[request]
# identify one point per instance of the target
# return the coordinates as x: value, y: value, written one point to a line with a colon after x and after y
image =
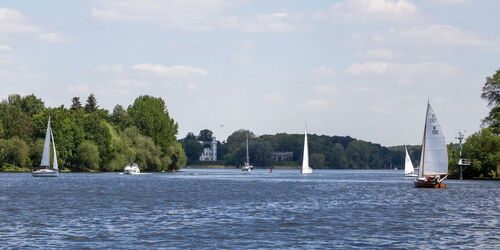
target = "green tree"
x: 87, y: 156
x: 205, y: 135
x: 15, y: 122
x: 121, y: 118
x: 14, y: 151
x: 317, y: 160
x: 260, y: 153
x: 151, y: 117
x: 483, y: 148
x: 491, y: 93
x: 91, y: 105
x: 193, y: 150
x: 75, y: 103
x: 339, y: 158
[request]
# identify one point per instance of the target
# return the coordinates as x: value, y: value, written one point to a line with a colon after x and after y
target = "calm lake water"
x: 230, y: 209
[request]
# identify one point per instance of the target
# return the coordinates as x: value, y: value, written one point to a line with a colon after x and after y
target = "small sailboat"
x: 409, y: 169
x: 132, y: 168
x: 305, y: 159
x: 247, y: 167
x: 45, y: 170
x: 434, y: 157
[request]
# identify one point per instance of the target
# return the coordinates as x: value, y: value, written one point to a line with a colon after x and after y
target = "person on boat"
x: 436, y: 179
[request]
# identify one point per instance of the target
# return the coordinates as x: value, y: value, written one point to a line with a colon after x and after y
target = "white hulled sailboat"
x: 409, y: 169
x: 434, y: 157
x: 305, y: 159
x: 247, y: 167
x: 45, y: 170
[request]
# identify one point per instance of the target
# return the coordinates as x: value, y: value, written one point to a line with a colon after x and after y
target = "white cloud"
x: 387, y: 68
x: 316, y: 104
x: 12, y: 21
x: 179, y: 71
x: 363, y: 10
x: 324, y: 71
x: 274, y: 97
x: 129, y: 83
x: 430, y: 35
x: 276, y: 22
x: 448, y: 1
x: 176, y: 14
x: 4, y: 47
x: 382, y: 53
x: 323, y: 88
x: 193, y: 15
x: 114, y: 68
x: 53, y: 37
x: 280, y: 15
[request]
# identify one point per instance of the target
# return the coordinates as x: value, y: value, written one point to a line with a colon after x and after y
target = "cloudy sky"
x: 363, y: 68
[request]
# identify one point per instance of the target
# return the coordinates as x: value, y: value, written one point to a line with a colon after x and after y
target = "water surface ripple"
x: 231, y: 209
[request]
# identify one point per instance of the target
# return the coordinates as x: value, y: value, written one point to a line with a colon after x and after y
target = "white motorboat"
x: 132, y: 168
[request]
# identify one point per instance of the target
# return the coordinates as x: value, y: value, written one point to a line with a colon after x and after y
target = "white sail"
x: 46, y: 147
x: 305, y: 159
x: 408, y: 164
x: 55, y: 166
x: 434, y: 157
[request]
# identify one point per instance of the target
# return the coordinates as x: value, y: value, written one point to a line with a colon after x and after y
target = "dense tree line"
x: 483, y: 147
x: 87, y: 137
x: 340, y: 152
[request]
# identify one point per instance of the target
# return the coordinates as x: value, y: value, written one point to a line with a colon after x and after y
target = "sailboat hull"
x: 411, y: 175
x: 427, y: 184
x: 45, y: 173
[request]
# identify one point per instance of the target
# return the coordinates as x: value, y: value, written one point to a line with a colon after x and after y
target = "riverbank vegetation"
x: 87, y: 137
x: 339, y: 152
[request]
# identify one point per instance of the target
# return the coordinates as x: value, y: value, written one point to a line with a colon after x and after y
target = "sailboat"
x: 45, y: 170
x: 247, y: 167
x: 409, y: 169
x: 305, y: 159
x: 434, y: 157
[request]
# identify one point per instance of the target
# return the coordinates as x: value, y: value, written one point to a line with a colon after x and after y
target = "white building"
x: 209, y: 150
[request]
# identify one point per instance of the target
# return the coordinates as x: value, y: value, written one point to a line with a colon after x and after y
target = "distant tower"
x: 214, y: 149
x: 209, y: 150
x: 462, y: 163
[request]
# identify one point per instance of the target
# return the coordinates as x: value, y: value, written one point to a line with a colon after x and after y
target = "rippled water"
x: 231, y: 209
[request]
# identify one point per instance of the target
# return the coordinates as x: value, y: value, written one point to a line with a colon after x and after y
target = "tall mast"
x: 422, y: 154
x: 248, y: 158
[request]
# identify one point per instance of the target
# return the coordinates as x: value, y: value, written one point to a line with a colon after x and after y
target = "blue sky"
x: 363, y: 68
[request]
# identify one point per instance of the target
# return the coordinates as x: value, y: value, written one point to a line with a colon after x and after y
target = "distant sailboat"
x: 409, y: 169
x: 247, y: 167
x: 305, y: 159
x: 45, y: 170
x: 434, y: 157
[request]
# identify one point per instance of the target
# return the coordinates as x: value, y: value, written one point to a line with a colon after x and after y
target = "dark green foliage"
x: 14, y: 151
x: 151, y: 117
x: 483, y: 148
x: 91, y: 105
x: 87, y: 156
x: 491, y: 93
x: 325, y: 151
x: 121, y: 118
x: 193, y: 150
x: 205, y: 135
x: 86, y: 139
x: 75, y: 103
